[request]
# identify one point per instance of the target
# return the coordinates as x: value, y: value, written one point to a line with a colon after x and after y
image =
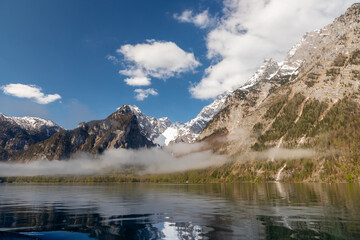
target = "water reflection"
x: 211, y: 211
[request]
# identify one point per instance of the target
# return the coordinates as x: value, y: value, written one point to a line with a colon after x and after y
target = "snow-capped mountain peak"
x: 150, y: 127
x: 30, y: 123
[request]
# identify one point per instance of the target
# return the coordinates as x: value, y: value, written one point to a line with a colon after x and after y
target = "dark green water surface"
x: 159, y: 211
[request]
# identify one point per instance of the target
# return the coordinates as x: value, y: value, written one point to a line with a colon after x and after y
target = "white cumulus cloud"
x: 138, y: 81
x: 141, y: 94
x: 201, y: 20
x: 154, y: 59
x: 29, y: 91
x: 250, y: 31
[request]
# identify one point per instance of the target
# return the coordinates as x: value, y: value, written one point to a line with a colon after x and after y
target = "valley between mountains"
x: 296, y: 120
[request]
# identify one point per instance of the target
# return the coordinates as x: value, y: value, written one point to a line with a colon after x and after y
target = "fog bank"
x: 175, y: 158
x: 179, y: 157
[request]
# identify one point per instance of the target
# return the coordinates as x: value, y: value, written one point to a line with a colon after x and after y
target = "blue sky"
x: 74, y: 49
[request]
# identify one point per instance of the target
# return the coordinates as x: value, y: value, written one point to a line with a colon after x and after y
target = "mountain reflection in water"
x: 159, y: 211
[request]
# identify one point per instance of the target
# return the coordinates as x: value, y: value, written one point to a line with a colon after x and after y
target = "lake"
x: 167, y: 211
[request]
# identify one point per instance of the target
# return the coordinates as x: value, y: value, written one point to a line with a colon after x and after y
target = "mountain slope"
x: 19, y: 133
x: 311, y: 102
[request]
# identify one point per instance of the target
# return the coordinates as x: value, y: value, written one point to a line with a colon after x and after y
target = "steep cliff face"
x: 319, y: 75
x: 119, y: 130
x: 19, y: 133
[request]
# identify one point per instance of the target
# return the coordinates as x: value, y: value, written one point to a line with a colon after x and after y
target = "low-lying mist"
x: 175, y: 158
x: 179, y: 157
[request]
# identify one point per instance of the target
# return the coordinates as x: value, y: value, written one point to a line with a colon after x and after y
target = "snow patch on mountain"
x: 169, y: 135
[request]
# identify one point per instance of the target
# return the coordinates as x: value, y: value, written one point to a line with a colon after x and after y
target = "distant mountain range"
x: 310, y: 100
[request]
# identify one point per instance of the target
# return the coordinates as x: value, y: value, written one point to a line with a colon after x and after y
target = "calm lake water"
x: 159, y: 211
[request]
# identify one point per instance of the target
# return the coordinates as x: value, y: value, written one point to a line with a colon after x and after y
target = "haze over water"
x: 160, y: 211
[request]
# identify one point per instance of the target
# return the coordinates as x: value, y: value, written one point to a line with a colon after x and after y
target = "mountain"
x: 164, y: 132
x: 120, y: 130
x: 19, y: 133
x: 311, y: 102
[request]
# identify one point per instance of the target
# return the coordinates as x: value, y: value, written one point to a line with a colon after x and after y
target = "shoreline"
x: 85, y: 180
